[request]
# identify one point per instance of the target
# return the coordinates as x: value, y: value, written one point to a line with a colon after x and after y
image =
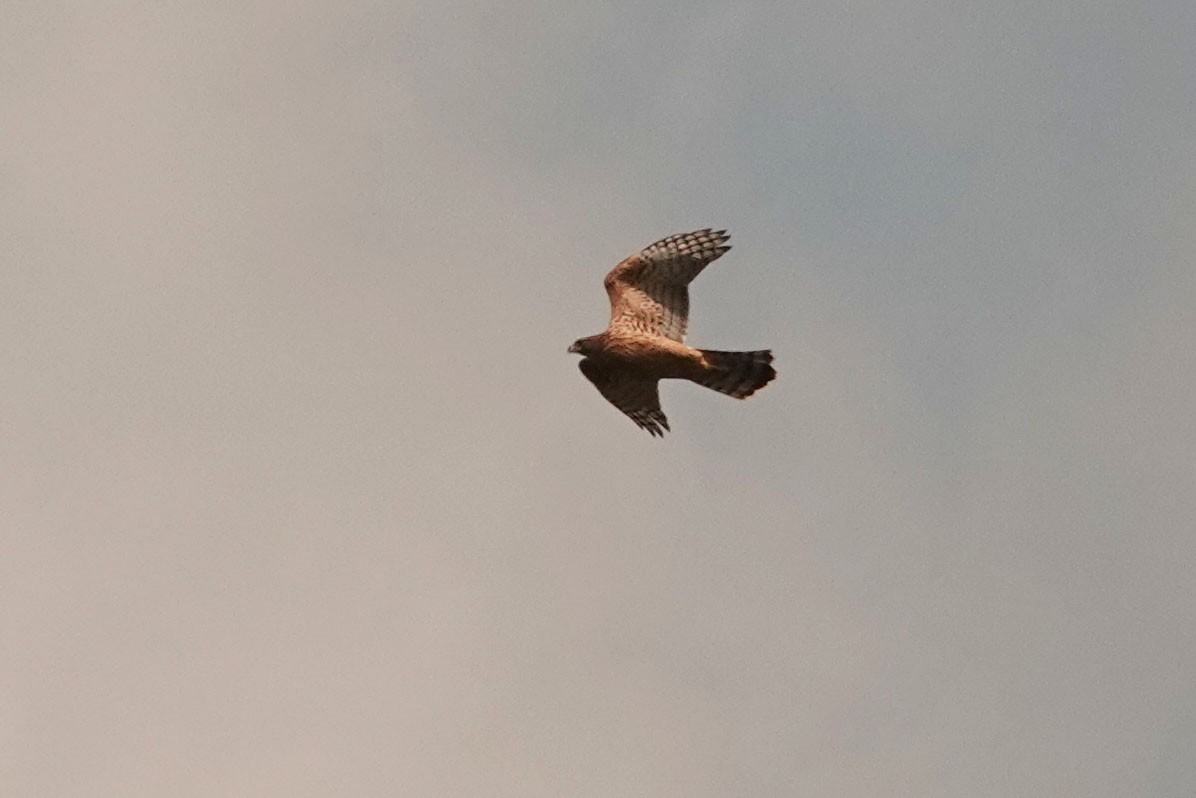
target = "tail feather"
x: 738, y: 374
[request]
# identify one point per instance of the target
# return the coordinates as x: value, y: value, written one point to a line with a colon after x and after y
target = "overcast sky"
x: 302, y: 496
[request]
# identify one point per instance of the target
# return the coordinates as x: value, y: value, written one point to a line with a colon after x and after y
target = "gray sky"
x: 303, y: 497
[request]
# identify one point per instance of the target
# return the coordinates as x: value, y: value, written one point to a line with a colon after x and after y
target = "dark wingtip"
x: 656, y: 429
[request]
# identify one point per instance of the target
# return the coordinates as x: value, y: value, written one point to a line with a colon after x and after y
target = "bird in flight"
x: 645, y: 340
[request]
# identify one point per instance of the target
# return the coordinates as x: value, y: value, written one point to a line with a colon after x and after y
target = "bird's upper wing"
x: 649, y: 291
x: 634, y: 394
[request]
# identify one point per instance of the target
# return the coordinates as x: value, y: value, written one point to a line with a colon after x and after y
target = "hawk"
x: 645, y: 340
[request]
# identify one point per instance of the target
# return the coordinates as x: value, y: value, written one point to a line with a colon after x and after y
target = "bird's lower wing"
x: 635, y: 395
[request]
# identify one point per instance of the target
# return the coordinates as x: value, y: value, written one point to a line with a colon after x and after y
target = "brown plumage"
x: 645, y: 341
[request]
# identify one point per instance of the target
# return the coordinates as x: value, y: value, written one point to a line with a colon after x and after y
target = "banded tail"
x: 738, y: 374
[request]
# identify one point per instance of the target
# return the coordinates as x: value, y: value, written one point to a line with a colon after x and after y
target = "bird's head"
x: 582, y: 346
